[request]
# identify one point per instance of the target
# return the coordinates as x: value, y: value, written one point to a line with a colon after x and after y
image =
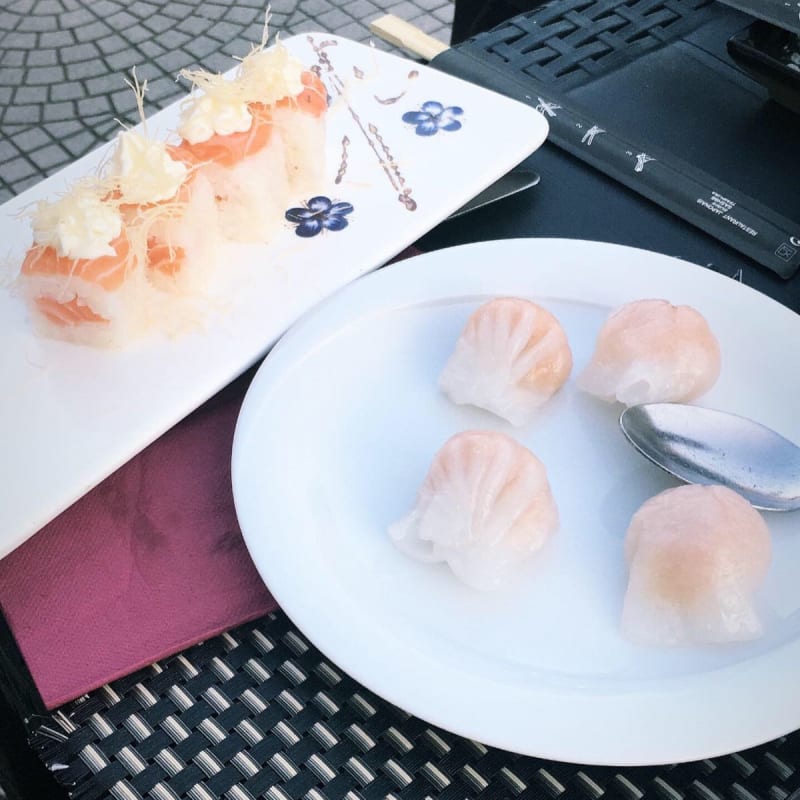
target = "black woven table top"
x: 259, y: 712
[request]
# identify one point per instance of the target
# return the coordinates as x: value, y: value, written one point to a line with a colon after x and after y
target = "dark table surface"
x: 290, y: 724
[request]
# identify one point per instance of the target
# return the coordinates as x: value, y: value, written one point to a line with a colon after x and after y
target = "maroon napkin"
x: 149, y: 562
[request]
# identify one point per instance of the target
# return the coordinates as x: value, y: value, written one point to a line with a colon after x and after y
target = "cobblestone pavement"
x: 63, y: 62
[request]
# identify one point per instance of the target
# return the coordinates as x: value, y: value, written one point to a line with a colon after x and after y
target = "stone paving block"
x: 66, y: 91
x: 353, y: 30
x: 210, y: 11
x: 29, y: 139
x: 58, y: 130
x: 121, y: 21
x: 334, y: 19
x: 224, y: 32
x: 151, y: 49
x: 314, y: 8
x: 172, y: 62
x: 41, y: 75
x: 22, y: 41
x: 245, y: 16
x: 9, y: 21
x: 26, y: 183
x: 179, y: 10
x: 105, y: 8
x: 429, y: 5
x: 193, y: 26
x: 85, y: 69
x: 87, y: 51
x: 112, y: 44
x: 158, y: 23
x: 444, y: 14
x: 93, y: 32
x: 80, y: 143
x: 7, y: 150
x: 201, y: 47
x: 27, y: 95
x: 138, y: 35
x: 41, y: 58
x: 47, y: 157
x: 17, y: 169
x: 123, y: 62
x: 43, y: 8
x: 173, y: 39
x: 56, y: 39
x: 22, y: 115
x: 24, y: 7
x: 404, y: 9
x: 12, y: 58
x: 361, y: 9
x: 102, y: 85
x: 217, y: 62
x: 163, y: 91
x: 432, y: 26
x: 53, y: 112
x: 94, y: 105
x: 76, y: 19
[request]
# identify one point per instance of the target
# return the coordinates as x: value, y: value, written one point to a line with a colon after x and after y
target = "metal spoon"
x: 701, y: 445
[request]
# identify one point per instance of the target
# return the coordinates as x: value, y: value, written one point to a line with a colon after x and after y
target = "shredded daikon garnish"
x: 80, y: 224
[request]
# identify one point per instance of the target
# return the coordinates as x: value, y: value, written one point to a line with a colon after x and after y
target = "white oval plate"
x: 338, y: 430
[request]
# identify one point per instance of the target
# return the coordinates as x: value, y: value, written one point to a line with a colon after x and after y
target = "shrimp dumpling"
x: 511, y: 357
x: 696, y: 555
x: 484, y: 506
x: 650, y: 351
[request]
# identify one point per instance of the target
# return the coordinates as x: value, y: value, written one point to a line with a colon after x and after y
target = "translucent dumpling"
x: 650, y: 351
x: 510, y: 358
x: 696, y: 555
x: 484, y: 506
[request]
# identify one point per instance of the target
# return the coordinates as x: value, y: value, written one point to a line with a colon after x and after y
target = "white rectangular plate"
x: 70, y: 415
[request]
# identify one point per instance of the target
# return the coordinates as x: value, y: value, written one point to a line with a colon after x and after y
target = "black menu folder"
x: 644, y: 91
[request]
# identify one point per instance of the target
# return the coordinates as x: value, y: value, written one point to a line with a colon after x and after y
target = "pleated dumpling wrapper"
x: 650, y: 351
x: 484, y: 507
x: 696, y: 556
x: 510, y: 358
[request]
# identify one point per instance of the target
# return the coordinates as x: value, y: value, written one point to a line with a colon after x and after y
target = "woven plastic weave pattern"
x: 587, y: 37
x: 259, y: 713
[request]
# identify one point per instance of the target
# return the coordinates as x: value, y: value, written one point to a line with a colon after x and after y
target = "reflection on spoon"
x: 701, y: 445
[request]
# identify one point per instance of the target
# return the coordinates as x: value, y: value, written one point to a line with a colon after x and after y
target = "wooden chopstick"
x: 403, y: 34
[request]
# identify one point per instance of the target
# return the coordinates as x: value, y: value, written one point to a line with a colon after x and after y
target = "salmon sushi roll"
x: 299, y: 114
x: 173, y: 204
x: 82, y: 277
x: 234, y: 144
x: 259, y: 138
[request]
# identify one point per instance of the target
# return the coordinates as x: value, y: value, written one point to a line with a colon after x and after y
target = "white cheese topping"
x: 270, y: 75
x: 79, y: 225
x: 205, y: 115
x: 144, y: 169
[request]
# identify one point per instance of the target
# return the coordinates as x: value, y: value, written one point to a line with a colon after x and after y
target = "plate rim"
x: 298, y: 610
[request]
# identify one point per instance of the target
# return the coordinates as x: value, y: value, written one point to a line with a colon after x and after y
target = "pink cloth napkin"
x: 150, y: 562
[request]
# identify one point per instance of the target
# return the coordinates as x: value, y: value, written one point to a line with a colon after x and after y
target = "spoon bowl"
x: 703, y: 445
